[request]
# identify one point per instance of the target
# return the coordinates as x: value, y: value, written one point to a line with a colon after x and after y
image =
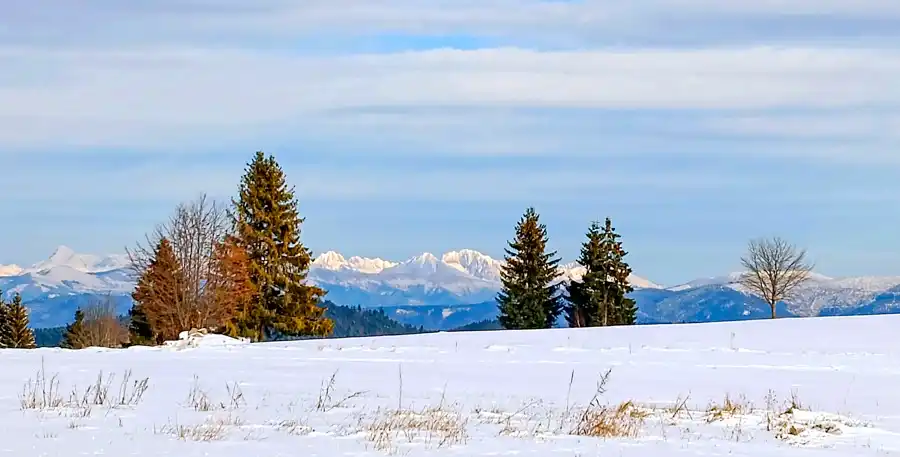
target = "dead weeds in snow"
x: 728, y: 409
x: 199, y: 400
x: 214, y: 428
x: 438, y: 426
x: 43, y: 393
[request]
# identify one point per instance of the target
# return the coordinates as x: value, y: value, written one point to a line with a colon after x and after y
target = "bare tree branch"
x: 101, y: 324
x: 195, y: 230
x: 774, y: 269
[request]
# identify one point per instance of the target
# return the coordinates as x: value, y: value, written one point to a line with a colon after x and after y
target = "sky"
x: 431, y: 125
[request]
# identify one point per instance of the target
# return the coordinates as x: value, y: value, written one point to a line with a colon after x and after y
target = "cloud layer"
x: 700, y: 109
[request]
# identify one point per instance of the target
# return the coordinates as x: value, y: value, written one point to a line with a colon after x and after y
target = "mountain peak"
x: 367, y: 265
x: 61, y: 254
x: 330, y: 260
x: 473, y: 262
x: 425, y: 258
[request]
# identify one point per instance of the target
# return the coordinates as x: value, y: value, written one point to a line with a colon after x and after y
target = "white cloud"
x: 830, y: 125
x: 148, y: 96
x: 205, y: 20
x: 172, y: 181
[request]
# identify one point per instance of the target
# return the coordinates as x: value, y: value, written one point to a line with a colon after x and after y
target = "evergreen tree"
x: 230, y: 287
x: 156, y: 313
x: 21, y: 336
x: 267, y: 224
x: 528, y: 298
x: 5, y: 326
x: 622, y: 310
x: 599, y: 298
x: 586, y: 300
x: 75, y: 337
x: 140, y: 333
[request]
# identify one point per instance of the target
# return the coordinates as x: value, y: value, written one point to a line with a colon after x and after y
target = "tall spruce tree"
x: 528, y: 298
x: 621, y: 310
x: 75, y: 337
x: 267, y: 223
x: 586, y: 300
x: 600, y: 297
x: 5, y: 325
x: 21, y: 335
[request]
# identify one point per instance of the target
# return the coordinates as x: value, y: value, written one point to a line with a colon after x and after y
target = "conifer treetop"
x: 528, y: 297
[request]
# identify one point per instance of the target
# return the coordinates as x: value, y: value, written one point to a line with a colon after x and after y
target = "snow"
x: 10, y: 270
x: 194, y: 339
x: 474, y: 263
x: 574, y: 271
x: 475, y: 394
x: 335, y: 261
x: 65, y: 256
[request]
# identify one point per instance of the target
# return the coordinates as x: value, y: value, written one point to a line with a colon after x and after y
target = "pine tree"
x: 268, y: 226
x: 599, y: 298
x: 622, y: 310
x: 586, y: 301
x: 5, y: 325
x: 139, y: 331
x: 156, y: 313
x: 528, y: 298
x: 21, y: 336
x: 75, y: 337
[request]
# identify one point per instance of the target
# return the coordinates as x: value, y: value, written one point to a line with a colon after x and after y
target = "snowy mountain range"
x: 456, y: 278
x: 466, y: 279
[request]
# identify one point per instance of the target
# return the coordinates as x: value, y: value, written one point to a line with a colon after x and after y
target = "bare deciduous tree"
x: 102, y: 327
x: 194, y: 230
x: 774, y: 269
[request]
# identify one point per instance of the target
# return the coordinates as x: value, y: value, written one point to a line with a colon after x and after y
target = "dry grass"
x: 439, y: 426
x: 207, y: 431
x: 43, y: 393
x: 293, y: 427
x: 727, y: 409
x: 214, y: 428
x: 624, y: 420
x: 325, y: 402
x: 199, y: 400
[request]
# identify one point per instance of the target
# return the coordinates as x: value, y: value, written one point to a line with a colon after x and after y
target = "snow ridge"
x: 471, y: 263
x: 459, y: 277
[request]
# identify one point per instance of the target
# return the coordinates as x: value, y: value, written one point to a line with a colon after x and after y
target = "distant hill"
x: 442, y: 317
x: 479, y: 326
x: 357, y: 321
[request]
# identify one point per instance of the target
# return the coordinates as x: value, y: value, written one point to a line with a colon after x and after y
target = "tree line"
x: 239, y: 270
x: 349, y: 321
x: 533, y: 296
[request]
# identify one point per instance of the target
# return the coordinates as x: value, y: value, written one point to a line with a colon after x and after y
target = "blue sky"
x: 415, y: 125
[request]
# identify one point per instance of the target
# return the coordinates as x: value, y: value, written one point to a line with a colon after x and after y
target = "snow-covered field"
x: 473, y: 394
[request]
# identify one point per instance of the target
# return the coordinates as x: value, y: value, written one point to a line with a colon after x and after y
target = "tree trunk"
x: 773, y: 309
